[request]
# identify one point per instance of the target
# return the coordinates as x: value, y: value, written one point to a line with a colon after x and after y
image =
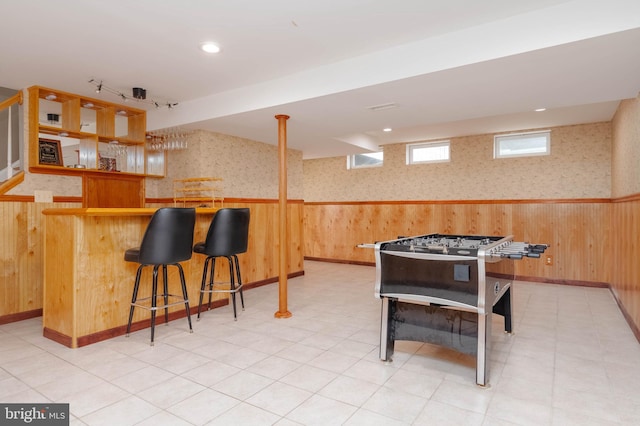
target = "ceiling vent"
x: 383, y: 106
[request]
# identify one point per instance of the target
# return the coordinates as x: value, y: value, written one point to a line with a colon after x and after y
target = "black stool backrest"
x: 169, y: 236
x: 228, y: 233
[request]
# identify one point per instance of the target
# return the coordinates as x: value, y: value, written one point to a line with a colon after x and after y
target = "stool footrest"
x: 218, y: 290
x: 145, y: 303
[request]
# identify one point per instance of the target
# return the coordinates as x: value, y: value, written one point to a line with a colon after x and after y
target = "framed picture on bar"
x: 49, y: 152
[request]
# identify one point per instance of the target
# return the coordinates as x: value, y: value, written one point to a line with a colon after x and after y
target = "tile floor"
x: 572, y: 361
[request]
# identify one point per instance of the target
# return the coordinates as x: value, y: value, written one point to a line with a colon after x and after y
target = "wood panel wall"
x: 22, y: 222
x: 112, y: 190
x: 21, y: 257
x: 577, y: 231
x: 592, y: 241
x: 625, y: 255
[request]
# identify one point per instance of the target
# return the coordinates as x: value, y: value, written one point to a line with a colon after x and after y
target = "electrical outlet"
x: 548, y: 260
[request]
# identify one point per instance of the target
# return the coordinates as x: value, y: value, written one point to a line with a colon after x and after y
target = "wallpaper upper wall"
x: 249, y: 169
x: 625, y: 178
x: 579, y: 167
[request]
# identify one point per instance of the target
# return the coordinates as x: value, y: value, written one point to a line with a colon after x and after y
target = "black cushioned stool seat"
x: 166, y: 242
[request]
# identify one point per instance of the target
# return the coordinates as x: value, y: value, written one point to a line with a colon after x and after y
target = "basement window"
x: 428, y: 152
x: 522, y: 144
x: 370, y: 159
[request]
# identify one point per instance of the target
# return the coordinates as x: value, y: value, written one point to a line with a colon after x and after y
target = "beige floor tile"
x: 203, y: 406
x: 437, y: 413
x: 274, y: 367
x: 309, y: 378
x: 572, y: 360
x: 170, y: 392
x: 128, y: 411
x: 397, y: 405
x: 279, y: 398
x: 349, y: 390
x: 321, y: 411
x: 242, y: 385
x: 245, y: 414
x: 364, y: 417
x: 466, y: 396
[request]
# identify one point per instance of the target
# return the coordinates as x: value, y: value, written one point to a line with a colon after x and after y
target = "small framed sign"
x: 49, y: 152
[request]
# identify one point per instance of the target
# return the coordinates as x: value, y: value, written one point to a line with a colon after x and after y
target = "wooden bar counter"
x: 88, y: 284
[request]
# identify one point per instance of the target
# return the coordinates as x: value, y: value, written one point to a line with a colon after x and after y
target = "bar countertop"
x: 94, y: 211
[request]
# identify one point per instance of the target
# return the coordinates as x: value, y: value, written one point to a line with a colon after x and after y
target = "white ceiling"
x: 452, y: 67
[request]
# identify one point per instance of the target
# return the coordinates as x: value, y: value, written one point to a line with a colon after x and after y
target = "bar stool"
x: 227, y: 237
x: 166, y: 241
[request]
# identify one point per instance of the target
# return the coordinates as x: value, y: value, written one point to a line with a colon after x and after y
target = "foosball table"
x: 443, y: 289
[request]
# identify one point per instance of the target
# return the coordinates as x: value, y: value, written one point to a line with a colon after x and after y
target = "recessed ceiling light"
x: 540, y: 109
x: 387, y: 129
x: 209, y: 47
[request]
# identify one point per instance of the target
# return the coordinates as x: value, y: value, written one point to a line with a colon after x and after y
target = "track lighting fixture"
x: 138, y: 94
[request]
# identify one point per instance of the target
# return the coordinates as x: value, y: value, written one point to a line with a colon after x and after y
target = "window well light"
x: 209, y: 47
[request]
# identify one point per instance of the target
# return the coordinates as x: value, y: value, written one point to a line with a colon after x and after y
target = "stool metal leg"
x: 205, y: 271
x: 134, y: 298
x: 203, y: 284
x: 185, y: 296
x: 166, y: 294
x: 154, y: 294
x: 232, y: 286
x: 211, y: 280
x: 235, y: 257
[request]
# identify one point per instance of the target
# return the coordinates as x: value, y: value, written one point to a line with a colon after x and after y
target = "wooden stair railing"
x: 10, y: 176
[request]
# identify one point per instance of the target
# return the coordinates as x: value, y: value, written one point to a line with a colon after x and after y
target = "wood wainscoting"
x: 625, y: 257
x: 575, y: 230
x: 21, y: 248
x: 593, y: 242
